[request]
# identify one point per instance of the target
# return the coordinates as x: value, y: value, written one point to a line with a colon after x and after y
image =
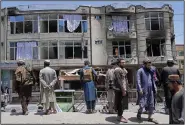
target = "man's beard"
x: 121, y: 66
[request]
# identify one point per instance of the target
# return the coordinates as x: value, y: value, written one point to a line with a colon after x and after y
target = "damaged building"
x: 68, y: 37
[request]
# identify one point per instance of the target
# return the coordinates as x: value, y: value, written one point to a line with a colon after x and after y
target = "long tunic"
x: 47, y: 77
x: 178, y: 107
x: 108, y: 81
x: 89, y: 87
x: 146, y: 84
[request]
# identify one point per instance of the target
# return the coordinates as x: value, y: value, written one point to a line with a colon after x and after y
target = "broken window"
x: 12, y: 27
x: 61, y: 25
x: 35, y: 24
x: 85, y: 52
x: 44, y: 50
x: 73, y: 50
x: 74, y: 23
x: 53, y: 50
x: 61, y: 50
x: 122, y: 49
x: 19, y: 27
x: 84, y: 26
x: 53, y: 23
x: 13, y: 49
x: 43, y: 26
x: 28, y: 26
x: 154, y: 21
x: 155, y: 47
x: 43, y: 23
x: 69, y: 50
x: 77, y: 50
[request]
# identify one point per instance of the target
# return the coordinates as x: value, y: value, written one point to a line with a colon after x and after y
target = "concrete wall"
x: 99, y: 53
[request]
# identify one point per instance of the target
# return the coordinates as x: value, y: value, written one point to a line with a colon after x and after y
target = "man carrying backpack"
x: 109, y: 87
x: 87, y: 78
x: 24, y: 81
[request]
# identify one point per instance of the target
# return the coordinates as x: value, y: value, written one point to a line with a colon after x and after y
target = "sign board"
x: 99, y: 42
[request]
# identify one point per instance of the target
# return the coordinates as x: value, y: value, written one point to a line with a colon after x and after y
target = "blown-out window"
x: 122, y: 49
x: 155, y: 47
x: 154, y: 21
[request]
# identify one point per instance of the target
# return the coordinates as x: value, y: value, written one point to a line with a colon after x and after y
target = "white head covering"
x: 170, y: 60
x: 47, y: 61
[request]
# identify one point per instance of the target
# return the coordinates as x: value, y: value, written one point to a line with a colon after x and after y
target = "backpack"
x: 23, y: 75
x: 88, y: 74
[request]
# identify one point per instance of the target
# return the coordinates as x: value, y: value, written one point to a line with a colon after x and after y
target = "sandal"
x: 122, y: 119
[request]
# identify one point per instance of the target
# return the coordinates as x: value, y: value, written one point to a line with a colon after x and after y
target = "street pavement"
x: 77, y: 117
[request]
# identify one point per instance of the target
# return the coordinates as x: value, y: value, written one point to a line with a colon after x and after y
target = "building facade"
x: 98, y: 34
x: 180, y: 58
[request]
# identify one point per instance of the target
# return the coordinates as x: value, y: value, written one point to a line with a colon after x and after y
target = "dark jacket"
x: 168, y: 71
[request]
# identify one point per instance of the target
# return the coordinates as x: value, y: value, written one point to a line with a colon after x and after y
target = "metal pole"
x: 0, y: 49
x: 0, y: 39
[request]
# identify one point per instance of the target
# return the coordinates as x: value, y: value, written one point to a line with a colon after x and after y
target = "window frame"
x: 150, y: 20
x: 124, y: 46
x: 160, y: 47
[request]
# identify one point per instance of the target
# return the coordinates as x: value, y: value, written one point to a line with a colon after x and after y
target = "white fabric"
x: 110, y: 96
x: 73, y: 21
x: 120, y: 24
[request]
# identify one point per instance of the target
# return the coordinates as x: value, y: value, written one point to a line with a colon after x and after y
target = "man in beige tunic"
x: 48, y: 79
x: 109, y: 87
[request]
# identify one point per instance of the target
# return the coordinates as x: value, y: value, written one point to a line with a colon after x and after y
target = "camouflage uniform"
x: 24, y: 87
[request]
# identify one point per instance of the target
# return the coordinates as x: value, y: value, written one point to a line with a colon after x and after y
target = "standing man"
x: 87, y: 78
x: 177, y: 99
x: 109, y: 87
x: 168, y: 70
x: 120, y: 87
x: 48, y: 79
x: 146, y: 87
x: 23, y: 86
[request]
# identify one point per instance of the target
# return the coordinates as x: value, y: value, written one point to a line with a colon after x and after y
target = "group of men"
x: 25, y: 79
x: 148, y: 79
x: 116, y: 86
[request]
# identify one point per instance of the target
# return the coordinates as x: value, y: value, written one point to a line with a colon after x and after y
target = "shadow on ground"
x: 39, y: 113
x: 112, y: 119
x: 16, y: 113
x: 135, y: 120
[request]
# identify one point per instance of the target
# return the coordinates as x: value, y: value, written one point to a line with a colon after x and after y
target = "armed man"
x: 25, y: 79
